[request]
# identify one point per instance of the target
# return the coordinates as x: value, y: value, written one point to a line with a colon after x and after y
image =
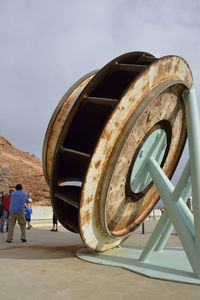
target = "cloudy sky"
x: 47, y: 45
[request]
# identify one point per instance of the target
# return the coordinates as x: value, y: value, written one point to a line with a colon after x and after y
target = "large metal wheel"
x: 94, y: 138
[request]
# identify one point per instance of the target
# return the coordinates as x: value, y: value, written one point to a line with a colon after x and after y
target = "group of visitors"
x: 16, y: 206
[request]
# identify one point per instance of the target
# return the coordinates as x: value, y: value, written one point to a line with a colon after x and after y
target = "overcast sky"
x: 47, y: 45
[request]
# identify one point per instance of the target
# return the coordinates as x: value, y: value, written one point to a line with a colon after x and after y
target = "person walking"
x: 5, y: 214
x: 55, y: 223
x: 16, y: 213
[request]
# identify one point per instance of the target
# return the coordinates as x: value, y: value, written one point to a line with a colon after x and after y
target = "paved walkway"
x: 46, y: 268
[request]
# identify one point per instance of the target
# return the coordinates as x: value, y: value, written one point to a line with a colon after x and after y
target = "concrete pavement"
x: 46, y: 268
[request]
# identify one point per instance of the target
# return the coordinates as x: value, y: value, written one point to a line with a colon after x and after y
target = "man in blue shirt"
x: 16, y: 213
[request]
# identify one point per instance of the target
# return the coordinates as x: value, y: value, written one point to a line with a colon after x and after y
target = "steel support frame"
x: 154, y: 260
x: 186, y: 224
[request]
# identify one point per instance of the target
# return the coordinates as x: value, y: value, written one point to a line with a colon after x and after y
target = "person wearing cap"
x: 16, y: 213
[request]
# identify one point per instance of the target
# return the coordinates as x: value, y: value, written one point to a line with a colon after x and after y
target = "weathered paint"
x: 106, y: 214
x: 160, y: 109
x: 157, y: 77
x: 57, y: 121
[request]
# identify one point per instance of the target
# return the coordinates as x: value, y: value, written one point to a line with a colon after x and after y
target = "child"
x: 28, y: 212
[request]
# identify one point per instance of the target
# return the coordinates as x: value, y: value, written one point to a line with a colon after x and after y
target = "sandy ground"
x: 46, y: 268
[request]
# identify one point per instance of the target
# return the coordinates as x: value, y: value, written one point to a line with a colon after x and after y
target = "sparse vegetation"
x: 17, y: 166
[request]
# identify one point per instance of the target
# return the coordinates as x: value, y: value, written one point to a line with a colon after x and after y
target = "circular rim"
x: 60, y: 199
x: 158, y: 76
x: 56, y: 123
x: 149, y: 199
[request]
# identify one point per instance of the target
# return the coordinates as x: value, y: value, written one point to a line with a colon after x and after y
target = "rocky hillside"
x: 17, y: 166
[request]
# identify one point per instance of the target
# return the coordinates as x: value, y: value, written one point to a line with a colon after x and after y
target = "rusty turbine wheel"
x: 94, y: 138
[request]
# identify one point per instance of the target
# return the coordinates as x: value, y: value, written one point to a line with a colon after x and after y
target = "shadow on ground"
x: 39, y: 252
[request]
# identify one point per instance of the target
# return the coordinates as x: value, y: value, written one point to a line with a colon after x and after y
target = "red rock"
x: 17, y: 166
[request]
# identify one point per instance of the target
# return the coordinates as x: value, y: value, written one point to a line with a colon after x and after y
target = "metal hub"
x: 154, y: 146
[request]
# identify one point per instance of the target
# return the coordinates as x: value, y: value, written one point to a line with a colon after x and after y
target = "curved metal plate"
x: 155, y: 95
x: 59, y: 116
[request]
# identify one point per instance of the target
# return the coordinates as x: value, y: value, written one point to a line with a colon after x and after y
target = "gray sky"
x: 47, y: 45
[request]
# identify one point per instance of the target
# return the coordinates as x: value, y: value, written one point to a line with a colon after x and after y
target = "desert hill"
x: 17, y: 166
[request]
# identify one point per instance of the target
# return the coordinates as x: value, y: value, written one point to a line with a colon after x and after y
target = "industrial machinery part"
x: 155, y: 260
x: 98, y: 137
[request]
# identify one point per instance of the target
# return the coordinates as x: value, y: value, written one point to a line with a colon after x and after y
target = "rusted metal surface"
x: 94, y: 140
x: 122, y: 212
x: 57, y: 121
x: 103, y: 190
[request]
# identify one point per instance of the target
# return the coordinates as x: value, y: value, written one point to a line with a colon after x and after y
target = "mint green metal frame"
x: 153, y: 260
x: 186, y: 224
